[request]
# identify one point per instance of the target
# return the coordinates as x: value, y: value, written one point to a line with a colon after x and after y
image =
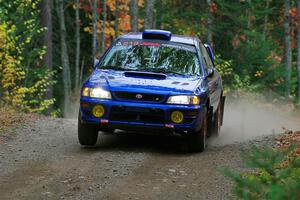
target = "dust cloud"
x: 74, y: 104
x: 244, y: 121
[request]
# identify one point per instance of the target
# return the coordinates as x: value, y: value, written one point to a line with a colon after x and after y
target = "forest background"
x: 47, y: 46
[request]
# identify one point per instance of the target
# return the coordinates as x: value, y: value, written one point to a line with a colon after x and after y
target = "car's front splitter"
x: 127, y: 123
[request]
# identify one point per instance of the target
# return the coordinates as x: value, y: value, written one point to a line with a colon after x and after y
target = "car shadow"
x: 140, y: 142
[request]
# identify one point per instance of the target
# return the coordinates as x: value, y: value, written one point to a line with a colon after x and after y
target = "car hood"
x: 137, y: 82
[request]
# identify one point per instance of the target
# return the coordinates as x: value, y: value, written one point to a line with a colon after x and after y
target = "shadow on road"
x: 140, y: 142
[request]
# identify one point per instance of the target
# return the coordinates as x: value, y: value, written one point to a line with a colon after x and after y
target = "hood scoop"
x: 149, y: 75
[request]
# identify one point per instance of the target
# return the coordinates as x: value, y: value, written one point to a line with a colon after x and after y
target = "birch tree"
x: 298, y: 57
x: 202, y: 4
x: 77, y: 36
x: 149, y: 14
x: 117, y: 18
x: 288, y: 49
x: 266, y: 21
x: 64, y: 56
x: 249, y: 14
x: 46, y: 20
x: 134, y: 16
x: 95, y: 17
x: 103, y: 26
x: 210, y: 22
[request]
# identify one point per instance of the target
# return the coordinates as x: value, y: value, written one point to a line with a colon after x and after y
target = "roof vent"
x: 157, y: 34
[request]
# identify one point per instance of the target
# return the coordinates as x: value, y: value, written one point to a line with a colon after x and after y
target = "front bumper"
x: 141, y: 116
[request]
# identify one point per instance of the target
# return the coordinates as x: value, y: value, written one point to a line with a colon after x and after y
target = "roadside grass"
x: 272, y: 173
x: 11, y: 119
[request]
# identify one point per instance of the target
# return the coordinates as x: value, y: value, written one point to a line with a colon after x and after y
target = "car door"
x: 213, y: 78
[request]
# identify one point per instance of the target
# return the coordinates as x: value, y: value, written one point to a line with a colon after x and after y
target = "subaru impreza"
x: 153, y: 81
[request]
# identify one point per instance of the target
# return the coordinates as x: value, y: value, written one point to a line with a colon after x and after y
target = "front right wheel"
x: 216, y: 123
x: 87, y: 133
x: 197, y: 140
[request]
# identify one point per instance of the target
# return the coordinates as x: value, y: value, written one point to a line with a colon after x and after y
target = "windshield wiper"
x: 167, y: 72
x: 144, y: 70
x: 115, y: 68
x: 176, y: 73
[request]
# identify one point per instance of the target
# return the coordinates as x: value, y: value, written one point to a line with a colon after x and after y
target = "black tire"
x: 217, y: 121
x: 107, y: 130
x: 87, y: 133
x: 197, y: 140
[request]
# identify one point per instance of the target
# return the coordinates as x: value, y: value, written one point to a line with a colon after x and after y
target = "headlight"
x: 184, y: 99
x: 96, y: 93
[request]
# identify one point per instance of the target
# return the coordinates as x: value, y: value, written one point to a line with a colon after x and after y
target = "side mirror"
x: 97, y: 59
x: 210, y: 52
x: 210, y: 72
x: 95, y: 62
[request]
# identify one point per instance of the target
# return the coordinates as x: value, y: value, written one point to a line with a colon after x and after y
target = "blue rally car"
x: 153, y: 81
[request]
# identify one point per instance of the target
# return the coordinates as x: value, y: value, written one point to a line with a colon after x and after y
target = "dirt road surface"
x: 43, y: 160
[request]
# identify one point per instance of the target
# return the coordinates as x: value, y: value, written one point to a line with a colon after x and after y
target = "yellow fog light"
x: 98, y: 111
x: 86, y: 92
x: 195, y: 100
x: 177, y: 117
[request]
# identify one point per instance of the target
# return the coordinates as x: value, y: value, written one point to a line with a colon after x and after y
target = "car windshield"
x: 152, y: 56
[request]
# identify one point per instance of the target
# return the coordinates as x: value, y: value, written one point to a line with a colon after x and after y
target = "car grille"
x: 139, y: 97
x: 136, y: 114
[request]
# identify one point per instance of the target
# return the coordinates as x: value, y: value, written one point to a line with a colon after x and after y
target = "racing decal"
x: 138, y: 43
x: 151, y: 44
x: 130, y: 43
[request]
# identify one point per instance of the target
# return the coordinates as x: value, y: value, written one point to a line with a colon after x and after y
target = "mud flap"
x: 210, y: 120
x: 222, y: 108
x: 210, y: 114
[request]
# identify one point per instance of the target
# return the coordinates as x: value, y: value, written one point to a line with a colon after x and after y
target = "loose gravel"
x: 43, y: 160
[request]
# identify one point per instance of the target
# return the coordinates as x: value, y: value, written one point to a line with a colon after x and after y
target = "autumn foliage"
x: 289, y: 139
x: 16, y: 90
x: 123, y: 18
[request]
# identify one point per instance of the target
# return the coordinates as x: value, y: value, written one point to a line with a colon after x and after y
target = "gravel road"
x: 43, y: 160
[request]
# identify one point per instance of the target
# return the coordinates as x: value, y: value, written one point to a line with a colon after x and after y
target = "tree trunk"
x: 210, y: 23
x: 77, y: 36
x: 149, y: 14
x: 46, y: 20
x: 94, y: 6
x: 64, y: 57
x: 248, y: 12
x: 288, y: 49
x: 81, y: 70
x: 266, y: 21
x: 161, y: 16
x: 117, y: 18
x: 134, y: 16
x: 202, y: 4
x: 103, y: 26
x: 298, y: 59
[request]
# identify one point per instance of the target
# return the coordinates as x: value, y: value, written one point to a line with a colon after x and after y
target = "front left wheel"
x: 87, y: 133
